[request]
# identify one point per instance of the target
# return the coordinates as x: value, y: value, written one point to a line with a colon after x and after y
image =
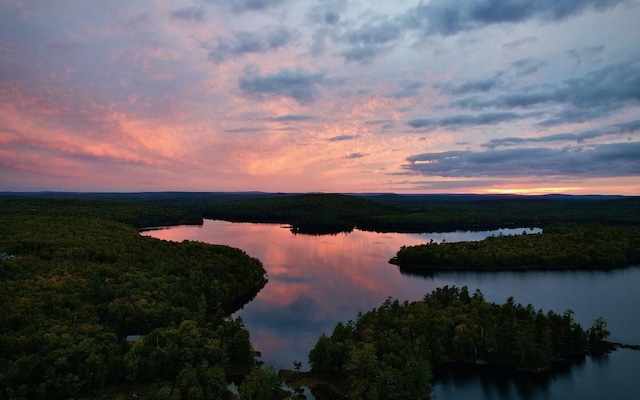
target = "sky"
x: 349, y: 96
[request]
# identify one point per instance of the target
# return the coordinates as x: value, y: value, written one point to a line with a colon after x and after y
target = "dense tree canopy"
x: 425, y: 213
x: 389, y: 352
x: 75, y: 290
x: 324, y: 213
x: 567, y: 246
x: 308, y: 213
x: 330, y: 213
x: 139, y: 214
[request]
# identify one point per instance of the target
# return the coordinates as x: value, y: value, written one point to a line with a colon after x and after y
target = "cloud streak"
x: 370, y: 40
x: 614, y: 130
x: 611, y: 86
x: 604, y: 160
x: 292, y: 118
x: 354, y: 156
x: 299, y: 84
x: 193, y: 13
x: 472, y: 86
x: 449, y: 18
x: 342, y: 138
x: 244, y: 42
x: 463, y: 120
x: 407, y: 89
x: 240, y: 6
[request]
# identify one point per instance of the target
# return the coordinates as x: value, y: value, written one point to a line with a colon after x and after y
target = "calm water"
x: 317, y: 281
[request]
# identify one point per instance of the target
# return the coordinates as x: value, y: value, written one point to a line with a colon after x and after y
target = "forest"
x: 139, y: 214
x: 423, y: 213
x: 91, y: 309
x: 390, y: 352
x: 583, y: 246
x: 88, y: 305
x: 333, y: 213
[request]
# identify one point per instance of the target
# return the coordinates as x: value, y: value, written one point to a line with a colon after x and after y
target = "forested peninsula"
x: 91, y: 307
x: 558, y: 247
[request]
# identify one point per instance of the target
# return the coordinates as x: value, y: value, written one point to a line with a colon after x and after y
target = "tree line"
x: 422, y: 213
x: 320, y: 213
x: 139, y: 214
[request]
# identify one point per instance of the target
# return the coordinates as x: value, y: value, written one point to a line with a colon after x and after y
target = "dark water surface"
x: 317, y: 281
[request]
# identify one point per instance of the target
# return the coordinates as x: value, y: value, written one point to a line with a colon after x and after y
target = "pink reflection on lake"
x: 314, y: 281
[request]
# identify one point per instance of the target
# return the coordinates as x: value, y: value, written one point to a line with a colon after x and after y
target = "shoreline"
x: 425, y: 268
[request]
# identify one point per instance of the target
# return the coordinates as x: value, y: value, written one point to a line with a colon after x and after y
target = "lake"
x: 317, y: 281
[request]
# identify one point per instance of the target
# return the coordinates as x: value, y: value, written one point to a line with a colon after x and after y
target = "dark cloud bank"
x: 605, y: 89
x: 464, y: 120
x: 596, y: 94
x: 444, y: 17
x: 613, y: 130
x: 603, y: 160
x: 451, y: 17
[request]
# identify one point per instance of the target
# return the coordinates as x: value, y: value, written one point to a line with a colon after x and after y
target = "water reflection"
x: 609, y: 376
x: 590, y: 294
x: 317, y: 281
x: 495, y: 382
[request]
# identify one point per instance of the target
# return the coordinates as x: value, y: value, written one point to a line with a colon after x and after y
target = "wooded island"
x: 389, y: 352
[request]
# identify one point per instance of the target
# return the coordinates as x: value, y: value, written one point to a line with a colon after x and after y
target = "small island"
x: 390, y: 352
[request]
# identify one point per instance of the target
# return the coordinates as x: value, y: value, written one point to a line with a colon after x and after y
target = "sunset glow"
x: 330, y: 96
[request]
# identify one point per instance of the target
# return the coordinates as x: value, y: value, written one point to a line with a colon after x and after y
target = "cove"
x: 317, y: 281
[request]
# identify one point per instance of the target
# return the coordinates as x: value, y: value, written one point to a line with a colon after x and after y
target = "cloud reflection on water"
x: 314, y: 281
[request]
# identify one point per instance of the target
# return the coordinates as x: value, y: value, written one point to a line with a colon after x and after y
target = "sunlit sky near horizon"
x: 441, y: 96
